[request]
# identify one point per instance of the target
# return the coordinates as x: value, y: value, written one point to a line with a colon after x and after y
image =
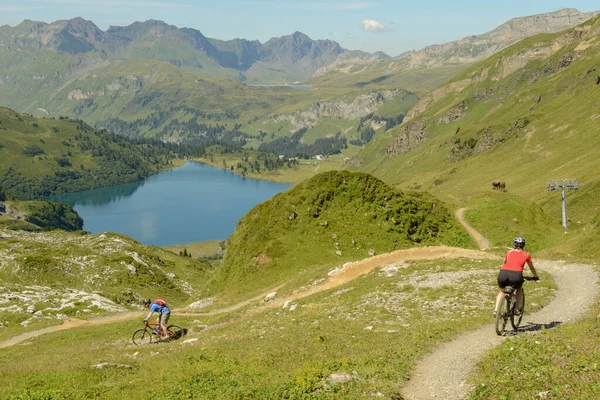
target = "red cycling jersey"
x: 515, y: 260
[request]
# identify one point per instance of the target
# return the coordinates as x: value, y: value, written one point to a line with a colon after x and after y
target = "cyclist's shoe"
x: 519, y: 312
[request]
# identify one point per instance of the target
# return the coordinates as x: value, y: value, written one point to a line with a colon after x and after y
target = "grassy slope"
x: 385, y: 74
x: 518, y: 139
x: 322, y: 222
x: 371, y: 330
x: 46, y: 215
x: 55, y: 266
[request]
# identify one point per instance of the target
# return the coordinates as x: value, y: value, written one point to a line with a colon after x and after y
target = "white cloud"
x: 370, y: 25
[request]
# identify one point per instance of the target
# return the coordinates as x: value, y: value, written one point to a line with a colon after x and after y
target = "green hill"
x: 523, y: 116
x: 63, y: 274
x: 41, y: 157
x: 326, y: 220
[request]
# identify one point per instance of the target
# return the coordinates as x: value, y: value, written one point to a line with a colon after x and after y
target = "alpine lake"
x: 192, y: 203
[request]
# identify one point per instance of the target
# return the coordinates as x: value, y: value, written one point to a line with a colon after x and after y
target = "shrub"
x: 33, y: 150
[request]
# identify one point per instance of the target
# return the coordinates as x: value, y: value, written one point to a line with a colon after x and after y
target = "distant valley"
x: 176, y: 85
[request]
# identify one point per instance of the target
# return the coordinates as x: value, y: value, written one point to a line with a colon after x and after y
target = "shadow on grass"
x: 533, y: 327
x: 178, y: 334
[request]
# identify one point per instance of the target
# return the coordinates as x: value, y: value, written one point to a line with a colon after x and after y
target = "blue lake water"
x: 191, y: 203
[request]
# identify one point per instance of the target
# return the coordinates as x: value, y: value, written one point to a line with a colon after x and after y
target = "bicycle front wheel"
x: 502, y: 315
x: 515, y: 320
x: 175, y: 332
x: 141, y: 337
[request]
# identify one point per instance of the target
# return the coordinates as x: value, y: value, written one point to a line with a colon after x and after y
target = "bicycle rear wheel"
x: 502, y: 315
x: 515, y: 320
x: 175, y: 332
x: 141, y: 337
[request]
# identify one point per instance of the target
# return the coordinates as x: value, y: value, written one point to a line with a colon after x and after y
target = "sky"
x: 391, y: 26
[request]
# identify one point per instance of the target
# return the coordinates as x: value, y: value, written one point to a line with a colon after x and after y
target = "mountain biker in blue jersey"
x: 163, y: 314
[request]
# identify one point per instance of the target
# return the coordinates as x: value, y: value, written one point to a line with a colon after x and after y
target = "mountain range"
x: 155, y: 79
x: 292, y: 57
x: 455, y: 54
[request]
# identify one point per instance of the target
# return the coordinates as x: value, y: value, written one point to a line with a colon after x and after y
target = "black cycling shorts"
x: 510, y: 278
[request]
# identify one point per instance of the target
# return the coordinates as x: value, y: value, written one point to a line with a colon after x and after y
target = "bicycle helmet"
x: 147, y: 302
x: 519, y: 242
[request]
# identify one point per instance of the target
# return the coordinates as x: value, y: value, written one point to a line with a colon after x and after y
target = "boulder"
x: 270, y: 296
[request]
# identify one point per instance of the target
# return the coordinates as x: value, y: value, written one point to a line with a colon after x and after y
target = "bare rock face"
x: 453, y: 114
x: 78, y: 94
x: 409, y: 137
x: 361, y: 106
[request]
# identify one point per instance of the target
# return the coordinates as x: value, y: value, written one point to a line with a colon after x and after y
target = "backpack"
x: 161, y: 302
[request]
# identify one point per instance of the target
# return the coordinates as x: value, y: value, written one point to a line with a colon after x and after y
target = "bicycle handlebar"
x: 531, y: 278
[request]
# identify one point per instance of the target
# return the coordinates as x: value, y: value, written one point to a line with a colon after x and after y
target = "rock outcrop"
x: 361, y: 106
x: 408, y: 138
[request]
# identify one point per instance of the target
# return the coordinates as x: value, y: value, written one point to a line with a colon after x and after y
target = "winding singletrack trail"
x: 346, y: 274
x: 443, y: 373
x: 69, y: 324
x: 482, y: 242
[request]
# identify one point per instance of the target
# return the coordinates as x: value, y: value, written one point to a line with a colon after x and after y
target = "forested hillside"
x: 42, y: 157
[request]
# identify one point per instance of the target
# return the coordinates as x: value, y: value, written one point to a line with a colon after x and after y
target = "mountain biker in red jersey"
x: 511, y: 272
x: 163, y: 317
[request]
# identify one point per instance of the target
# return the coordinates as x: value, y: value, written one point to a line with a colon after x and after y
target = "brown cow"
x: 499, y: 185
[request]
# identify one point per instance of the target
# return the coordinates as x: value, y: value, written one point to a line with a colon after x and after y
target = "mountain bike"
x: 507, y: 308
x: 145, y: 335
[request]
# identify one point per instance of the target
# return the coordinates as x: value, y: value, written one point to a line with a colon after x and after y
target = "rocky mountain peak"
x: 84, y: 28
x: 478, y: 47
x: 298, y: 45
x: 518, y: 28
x: 151, y: 27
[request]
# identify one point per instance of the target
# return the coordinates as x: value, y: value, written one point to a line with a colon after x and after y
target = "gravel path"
x: 482, y: 242
x: 443, y: 373
x: 350, y: 271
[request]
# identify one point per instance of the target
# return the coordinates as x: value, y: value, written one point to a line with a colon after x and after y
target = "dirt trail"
x: 443, y: 373
x: 351, y: 271
x: 69, y: 324
x: 482, y: 242
x: 358, y: 268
